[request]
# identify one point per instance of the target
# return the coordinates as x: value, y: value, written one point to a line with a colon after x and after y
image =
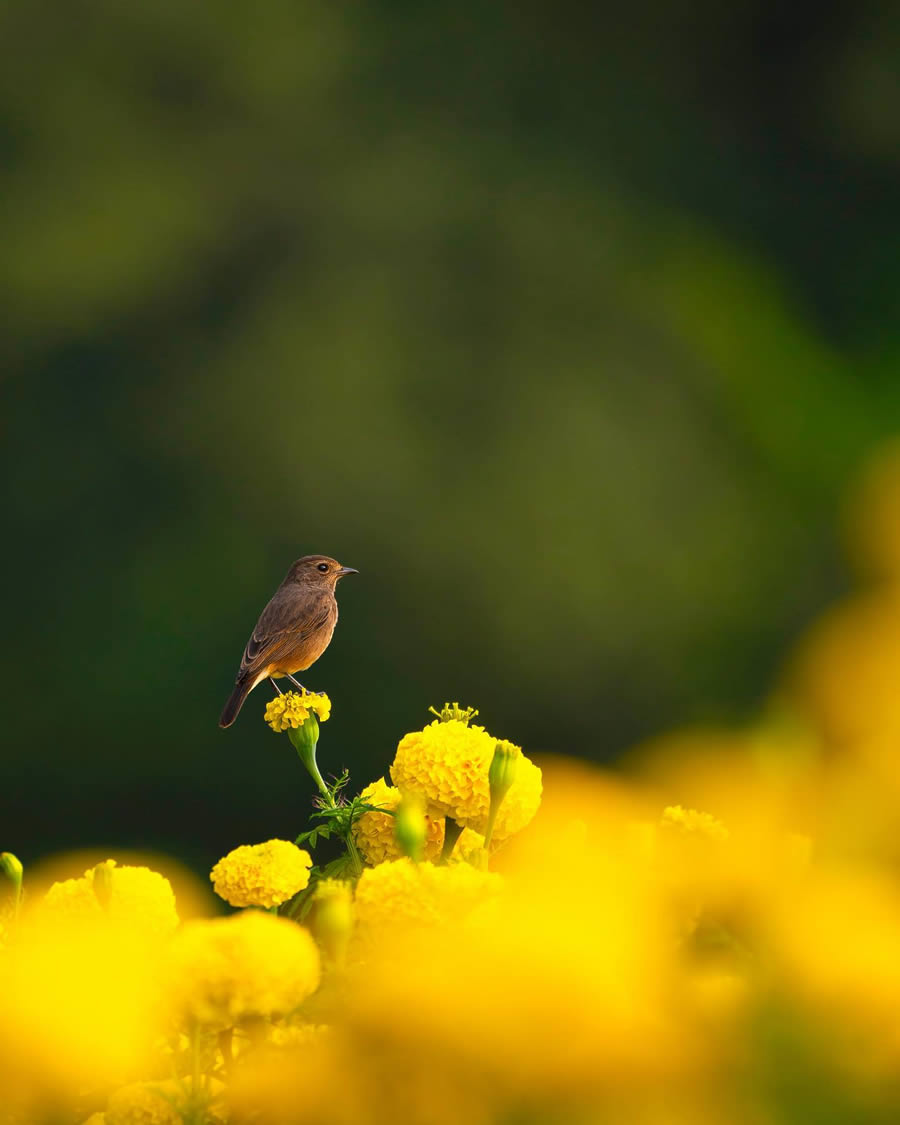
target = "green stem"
x: 226, y: 1047
x: 313, y: 768
x: 452, y: 832
x: 354, y: 853
x: 489, y: 831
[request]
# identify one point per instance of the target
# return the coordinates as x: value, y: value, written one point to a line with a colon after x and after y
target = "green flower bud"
x: 410, y: 828
x: 501, y: 775
x: 333, y: 918
x: 102, y: 883
x: 305, y: 738
x: 11, y: 869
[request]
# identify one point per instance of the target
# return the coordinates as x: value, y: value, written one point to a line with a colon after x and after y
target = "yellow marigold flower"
x: 690, y: 820
x: 292, y: 709
x: 133, y: 896
x: 401, y: 893
x: 447, y: 764
x: 261, y: 874
x: 146, y: 1103
x: 374, y: 831
x: 223, y: 970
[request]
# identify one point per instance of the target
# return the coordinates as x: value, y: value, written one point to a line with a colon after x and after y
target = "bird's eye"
x: 323, y: 567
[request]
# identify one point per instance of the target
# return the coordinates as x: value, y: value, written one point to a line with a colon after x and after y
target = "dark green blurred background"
x: 564, y: 328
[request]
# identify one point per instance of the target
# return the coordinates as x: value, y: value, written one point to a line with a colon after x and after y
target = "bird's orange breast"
x: 305, y: 654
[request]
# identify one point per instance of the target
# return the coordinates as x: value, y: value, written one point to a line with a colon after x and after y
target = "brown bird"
x: 293, y: 630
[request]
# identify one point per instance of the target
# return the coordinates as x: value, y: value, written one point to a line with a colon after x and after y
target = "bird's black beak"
x: 347, y: 570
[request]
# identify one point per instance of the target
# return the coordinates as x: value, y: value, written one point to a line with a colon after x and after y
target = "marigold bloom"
x: 132, y: 896
x: 292, y: 709
x: 401, y: 893
x: 78, y: 1006
x: 261, y: 874
x: 374, y: 831
x: 223, y: 970
x: 447, y: 764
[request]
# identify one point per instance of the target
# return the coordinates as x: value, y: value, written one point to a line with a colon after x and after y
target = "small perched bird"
x: 293, y: 630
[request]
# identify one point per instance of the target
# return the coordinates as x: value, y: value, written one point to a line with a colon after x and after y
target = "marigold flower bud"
x: 410, y: 827
x: 501, y: 775
x: 502, y: 772
x: 101, y: 882
x: 333, y: 923
x: 11, y: 868
x: 373, y: 832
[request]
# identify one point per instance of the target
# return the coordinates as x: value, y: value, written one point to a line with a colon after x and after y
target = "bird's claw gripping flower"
x: 452, y: 711
x: 299, y: 714
x: 291, y: 710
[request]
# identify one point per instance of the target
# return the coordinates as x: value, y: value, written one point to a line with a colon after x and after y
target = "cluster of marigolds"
x: 711, y: 934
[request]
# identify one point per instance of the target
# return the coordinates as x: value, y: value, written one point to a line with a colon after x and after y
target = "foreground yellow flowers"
x: 711, y: 936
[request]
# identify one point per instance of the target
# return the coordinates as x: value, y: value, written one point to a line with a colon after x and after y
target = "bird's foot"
x: 275, y: 686
x: 297, y: 683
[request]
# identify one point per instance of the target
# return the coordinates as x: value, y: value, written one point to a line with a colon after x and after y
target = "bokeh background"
x: 566, y: 328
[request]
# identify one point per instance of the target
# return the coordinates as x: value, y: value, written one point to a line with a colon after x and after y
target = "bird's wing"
x: 286, y: 622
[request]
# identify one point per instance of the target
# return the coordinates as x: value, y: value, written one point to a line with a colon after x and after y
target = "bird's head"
x: 318, y: 570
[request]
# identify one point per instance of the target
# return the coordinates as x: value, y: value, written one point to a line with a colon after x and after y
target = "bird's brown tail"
x: 235, y: 701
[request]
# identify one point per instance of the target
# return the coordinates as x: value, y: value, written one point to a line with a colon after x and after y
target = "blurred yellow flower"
x: 147, y: 1103
x: 79, y: 1005
x: 224, y: 970
x: 374, y: 831
x: 552, y: 989
x: 447, y: 765
x: 399, y: 893
x: 334, y: 917
x: 130, y: 896
x: 292, y: 709
x: 690, y: 820
x: 835, y: 940
x: 261, y: 874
